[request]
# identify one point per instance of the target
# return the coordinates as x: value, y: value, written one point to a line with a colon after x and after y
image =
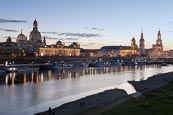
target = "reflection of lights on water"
x: 32, y: 77
x: 75, y: 73
x: 49, y: 74
x: 42, y: 79
x: 6, y: 62
x: 37, y: 78
x: 6, y: 79
x: 24, y: 78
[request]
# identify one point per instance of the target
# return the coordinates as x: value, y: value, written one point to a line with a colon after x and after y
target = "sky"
x: 91, y: 23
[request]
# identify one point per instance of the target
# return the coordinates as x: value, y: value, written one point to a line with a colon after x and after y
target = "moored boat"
x: 27, y: 69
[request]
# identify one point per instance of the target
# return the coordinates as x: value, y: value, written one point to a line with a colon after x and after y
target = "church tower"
x: 157, y: 49
x: 133, y: 44
x: 142, y: 42
x: 159, y: 40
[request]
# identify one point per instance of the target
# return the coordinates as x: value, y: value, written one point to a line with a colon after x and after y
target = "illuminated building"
x: 24, y: 45
x: 142, y: 51
x: 157, y: 49
x: 89, y: 52
x: 60, y: 49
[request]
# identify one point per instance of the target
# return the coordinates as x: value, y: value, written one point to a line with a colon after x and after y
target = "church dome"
x: 59, y: 43
x: 21, y: 37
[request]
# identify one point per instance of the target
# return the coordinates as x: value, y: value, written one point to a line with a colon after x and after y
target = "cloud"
x: 56, y: 38
x: 67, y: 42
x: 71, y: 38
x: 49, y: 32
x: 79, y: 34
x: 100, y: 44
x: 91, y: 43
x: 94, y: 28
x: 101, y: 29
x: 51, y: 38
x: 8, y: 30
x: 169, y: 31
x: 85, y: 45
x: 5, y: 37
x: 11, y: 21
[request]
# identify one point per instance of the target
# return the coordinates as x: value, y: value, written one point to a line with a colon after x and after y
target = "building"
x: 35, y: 37
x: 9, y: 48
x: 127, y: 51
x: 157, y: 49
x: 24, y: 45
x: 110, y: 51
x: 89, y: 52
x: 142, y: 51
x: 60, y: 49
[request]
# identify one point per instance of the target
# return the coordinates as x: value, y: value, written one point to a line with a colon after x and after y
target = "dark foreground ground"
x: 155, y: 102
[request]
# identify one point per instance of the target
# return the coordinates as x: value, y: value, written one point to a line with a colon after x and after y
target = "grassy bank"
x: 158, y: 102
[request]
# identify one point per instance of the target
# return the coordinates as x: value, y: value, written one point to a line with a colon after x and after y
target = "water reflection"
x: 47, y: 75
x: 28, y: 93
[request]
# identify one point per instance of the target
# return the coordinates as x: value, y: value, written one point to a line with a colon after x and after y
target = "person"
x: 50, y: 110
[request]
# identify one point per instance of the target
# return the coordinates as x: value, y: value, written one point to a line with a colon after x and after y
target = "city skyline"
x: 91, y: 23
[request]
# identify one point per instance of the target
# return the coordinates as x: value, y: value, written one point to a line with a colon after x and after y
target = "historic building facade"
x: 142, y: 51
x: 60, y: 49
x: 35, y: 37
x: 35, y: 46
x: 9, y: 48
x: 157, y: 49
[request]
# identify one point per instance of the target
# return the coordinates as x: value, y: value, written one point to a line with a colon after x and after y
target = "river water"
x: 32, y: 92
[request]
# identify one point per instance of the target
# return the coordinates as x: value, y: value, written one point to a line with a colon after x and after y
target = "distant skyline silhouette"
x: 92, y: 23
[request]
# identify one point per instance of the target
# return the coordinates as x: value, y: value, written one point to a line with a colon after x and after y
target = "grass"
x: 156, y: 102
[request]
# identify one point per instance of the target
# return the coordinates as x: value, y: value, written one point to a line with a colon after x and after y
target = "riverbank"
x: 158, y: 101
x: 101, y: 102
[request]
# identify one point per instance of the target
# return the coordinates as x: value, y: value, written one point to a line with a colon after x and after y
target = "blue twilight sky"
x: 92, y: 23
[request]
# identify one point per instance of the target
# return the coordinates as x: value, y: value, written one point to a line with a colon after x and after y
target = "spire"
x: 35, y: 24
x: 159, y: 32
x: 142, y: 35
x: 21, y: 31
x: 159, y: 41
x: 159, y: 35
x: 44, y: 40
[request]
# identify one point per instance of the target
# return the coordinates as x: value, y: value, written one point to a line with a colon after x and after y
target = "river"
x: 29, y: 93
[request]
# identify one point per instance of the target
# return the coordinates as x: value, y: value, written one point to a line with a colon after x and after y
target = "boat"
x: 78, y: 64
x: 112, y: 63
x: 60, y: 65
x: 9, y: 69
x: 27, y: 69
x: 17, y: 68
x: 164, y: 64
x: 99, y: 64
x: 68, y: 65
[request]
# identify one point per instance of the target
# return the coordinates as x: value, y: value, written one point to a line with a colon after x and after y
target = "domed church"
x: 21, y: 38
